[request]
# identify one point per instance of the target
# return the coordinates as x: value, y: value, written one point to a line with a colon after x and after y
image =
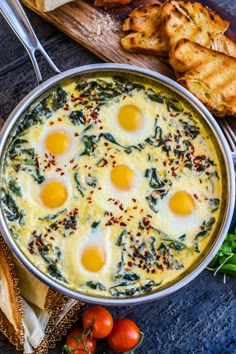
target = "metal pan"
x: 16, y: 17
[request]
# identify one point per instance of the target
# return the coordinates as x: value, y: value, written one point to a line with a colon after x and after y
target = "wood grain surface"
x: 98, y: 30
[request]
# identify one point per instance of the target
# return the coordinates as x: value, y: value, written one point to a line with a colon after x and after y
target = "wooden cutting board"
x: 98, y: 29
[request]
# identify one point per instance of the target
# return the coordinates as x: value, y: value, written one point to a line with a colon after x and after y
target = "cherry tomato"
x: 76, y: 340
x: 100, y: 319
x: 124, y: 336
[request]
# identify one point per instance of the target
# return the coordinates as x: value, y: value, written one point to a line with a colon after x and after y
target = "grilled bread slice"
x: 224, y: 44
x: 208, y: 74
x: 194, y: 21
x: 145, y: 32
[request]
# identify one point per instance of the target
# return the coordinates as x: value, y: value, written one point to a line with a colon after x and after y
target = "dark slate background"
x: 199, y: 318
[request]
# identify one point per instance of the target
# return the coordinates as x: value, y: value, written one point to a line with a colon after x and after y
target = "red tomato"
x: 100, y: 319
x: 124, y: 336
x: 75, y: 340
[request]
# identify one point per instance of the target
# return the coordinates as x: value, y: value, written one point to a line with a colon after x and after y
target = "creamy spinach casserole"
x: 112, y: 186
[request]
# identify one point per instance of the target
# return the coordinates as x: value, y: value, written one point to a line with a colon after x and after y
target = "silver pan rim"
x: 227, y: 156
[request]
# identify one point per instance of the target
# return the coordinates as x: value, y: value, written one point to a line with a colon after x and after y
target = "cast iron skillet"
x: 14, y: 14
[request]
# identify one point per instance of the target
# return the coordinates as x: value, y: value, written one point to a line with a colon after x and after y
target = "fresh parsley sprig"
x: 225, y: 259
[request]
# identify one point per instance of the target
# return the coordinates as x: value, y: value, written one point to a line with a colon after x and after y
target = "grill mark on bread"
x: 208, y: 74
x: 144, y: 32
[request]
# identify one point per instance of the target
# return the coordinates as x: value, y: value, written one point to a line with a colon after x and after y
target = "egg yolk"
x: 93, y: 258
x: 122, y: 177
x: 182, y: 203
x: 130, y: 117
x: 53, y: 194
x: 57, y: 142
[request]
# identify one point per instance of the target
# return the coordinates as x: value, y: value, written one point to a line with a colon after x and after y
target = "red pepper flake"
x: 51, y: 123
x: 123, y: 224
x: 52, y: 238
x: 59, y: 119
x: 99, y: 188
x: 74, y: 167
x: 195, y: 196
x: 66, y: 107
x: 134, y: 200
x: 76, y: 134
x: 62, y: 173
x: 130, y: 264
x: 72, y: 160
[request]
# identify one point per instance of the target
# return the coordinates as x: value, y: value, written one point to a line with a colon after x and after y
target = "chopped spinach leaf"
x: 95, y: 224
x: 214, y: 204
x: 77, y: 117
x: 14, y: 188
x: 10, y: 208
x: 205, y: 228
x: 192, y: 130
x: 96, y: 285
x: 89, y: 142
x: 59, y: 98
x: 78, y: 184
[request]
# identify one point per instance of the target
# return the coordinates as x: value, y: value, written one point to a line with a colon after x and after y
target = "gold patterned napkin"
x: 32, y: 316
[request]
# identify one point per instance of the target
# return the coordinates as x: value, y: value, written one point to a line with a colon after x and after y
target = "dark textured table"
x: 201, y: 317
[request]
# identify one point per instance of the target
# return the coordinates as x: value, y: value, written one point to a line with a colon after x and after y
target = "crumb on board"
x: 102, y: 24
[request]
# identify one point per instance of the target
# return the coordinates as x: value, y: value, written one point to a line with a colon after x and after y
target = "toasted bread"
x: 193, y: 21
x: 144, y: 25
x: 208, y: 74
x: 224, y: 44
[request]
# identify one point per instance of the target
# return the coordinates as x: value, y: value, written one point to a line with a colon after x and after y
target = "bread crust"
x: 208, y: 74
x: 194, y: 21
x: 144, y: 31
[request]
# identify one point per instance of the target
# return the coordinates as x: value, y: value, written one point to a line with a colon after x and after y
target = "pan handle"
x: 16, y: 17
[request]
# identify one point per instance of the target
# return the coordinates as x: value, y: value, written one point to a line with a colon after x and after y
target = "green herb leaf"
x: 225, y: 259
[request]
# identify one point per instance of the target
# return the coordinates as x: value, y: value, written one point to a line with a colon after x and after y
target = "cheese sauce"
x: 112, y: 186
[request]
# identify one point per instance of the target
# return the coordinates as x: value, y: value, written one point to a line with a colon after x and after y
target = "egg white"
x: 176, y: 225
x: 109, y: 117
x: 39, y: 135
x: 32, y: 190
x: 101, y: 240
